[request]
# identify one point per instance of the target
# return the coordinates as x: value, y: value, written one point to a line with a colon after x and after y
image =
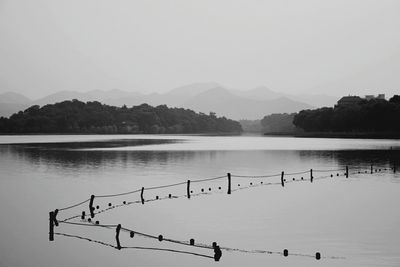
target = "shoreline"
x: 194, y: 134
x: 353, y: 135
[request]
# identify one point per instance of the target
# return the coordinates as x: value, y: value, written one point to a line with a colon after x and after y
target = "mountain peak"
x: 216, y: 90
x: 261, y: 88
x: 193, y: 89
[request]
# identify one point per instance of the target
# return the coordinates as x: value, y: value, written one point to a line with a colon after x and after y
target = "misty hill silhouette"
x: 201, y: 97
x: 225, y: 103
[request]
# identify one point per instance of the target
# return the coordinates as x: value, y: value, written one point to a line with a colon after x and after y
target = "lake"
x: 351, y: 221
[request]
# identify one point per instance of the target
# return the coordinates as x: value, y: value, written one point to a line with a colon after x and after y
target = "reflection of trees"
x: 89, y: 159
x: 66, y: 157
x: 357, y: 157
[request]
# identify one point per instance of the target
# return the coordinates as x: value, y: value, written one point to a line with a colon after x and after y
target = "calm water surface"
x: 356, y: 219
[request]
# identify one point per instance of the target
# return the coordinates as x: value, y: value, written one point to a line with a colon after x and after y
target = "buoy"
x: 132, y: 234
x: 124, y: 202
x: 109, y: 204
x: 318, y: 256
x: 192, y: 242
x: 285, y: 252
x: 97, y: 222
x: 160, y: 238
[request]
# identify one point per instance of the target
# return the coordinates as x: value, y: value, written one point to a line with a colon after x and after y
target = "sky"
x: 335, y: 47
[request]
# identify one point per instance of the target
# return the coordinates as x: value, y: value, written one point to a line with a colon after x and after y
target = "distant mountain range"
x: 201, y: 97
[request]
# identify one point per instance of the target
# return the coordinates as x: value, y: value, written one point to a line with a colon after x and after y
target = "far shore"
x: 356, y: 135
x: 194, y: 134
x: 360, y: 135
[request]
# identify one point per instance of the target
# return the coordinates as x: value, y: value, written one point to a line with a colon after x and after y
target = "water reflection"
x: 66, y: 156
x: 36, y: 178
x: 356, y: 157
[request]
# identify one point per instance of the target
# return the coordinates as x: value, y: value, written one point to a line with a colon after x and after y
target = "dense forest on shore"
x: 281, y: 123
x: 370, y: 116
x: 93, y: 117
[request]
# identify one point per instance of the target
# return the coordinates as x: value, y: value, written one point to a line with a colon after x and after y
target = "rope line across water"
x: 88, y: 222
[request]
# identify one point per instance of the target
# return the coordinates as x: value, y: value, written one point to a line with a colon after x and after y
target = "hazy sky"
x: 333, y: 47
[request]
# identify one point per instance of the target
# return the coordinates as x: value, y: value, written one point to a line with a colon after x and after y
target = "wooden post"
x: 91, y: 208
x: 372, y: 169
x: 229, y: 183
x: 347, y: 171
x: 55, y: 217
x: 83, y: 215
x: 188, y: 189
x: 141, y: 195
x: 282, y: 181
x: 117, y: 230
x: 217, y: 251
x: 51, y: 226
x: 311, y: 176
x: 394, y: 168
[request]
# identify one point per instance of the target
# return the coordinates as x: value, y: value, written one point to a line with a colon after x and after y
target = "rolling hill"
x: 202, y: 97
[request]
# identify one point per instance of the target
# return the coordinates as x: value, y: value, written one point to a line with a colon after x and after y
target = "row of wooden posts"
x: 53, y: 214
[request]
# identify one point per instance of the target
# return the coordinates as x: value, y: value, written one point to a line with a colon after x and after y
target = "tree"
x: 93, y: 117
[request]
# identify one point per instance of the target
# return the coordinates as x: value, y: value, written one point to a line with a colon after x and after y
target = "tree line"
x: 375, y: 115
x: 93, y: 117
x: 279, y: 123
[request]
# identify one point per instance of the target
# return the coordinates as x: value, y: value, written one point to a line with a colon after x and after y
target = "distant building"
x: 349, y: 100
x: 354, y: 100
x: 380, y: 96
